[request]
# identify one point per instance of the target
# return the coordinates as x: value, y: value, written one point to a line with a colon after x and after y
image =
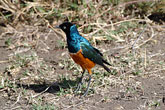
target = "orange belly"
x: 85, y: 63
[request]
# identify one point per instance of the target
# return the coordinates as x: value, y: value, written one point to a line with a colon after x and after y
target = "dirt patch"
x: 41, y: 74
x: 4, y: 52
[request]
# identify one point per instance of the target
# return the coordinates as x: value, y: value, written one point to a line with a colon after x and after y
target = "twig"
x: 17, y: 99
x: 121, y: 5
x: 75, y: 105
x: 15, y: 108
x: 152, y: 35
x: 6, y: 61
x: 41, y: 92
x: 145, y: 58
x: 138, y: 38
x: 115, y: 37
x: 107, y: 25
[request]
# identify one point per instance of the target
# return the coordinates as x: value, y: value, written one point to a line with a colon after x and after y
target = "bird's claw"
x: 78, y: 87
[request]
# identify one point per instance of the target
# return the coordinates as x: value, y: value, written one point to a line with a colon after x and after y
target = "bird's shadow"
x: 50, y: 88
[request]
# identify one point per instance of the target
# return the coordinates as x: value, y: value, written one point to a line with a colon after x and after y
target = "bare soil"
x: 134, y: 92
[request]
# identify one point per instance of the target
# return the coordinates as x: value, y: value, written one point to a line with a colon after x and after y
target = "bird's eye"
x: 64, y: 27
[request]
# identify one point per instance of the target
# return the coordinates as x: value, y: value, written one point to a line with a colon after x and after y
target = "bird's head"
x: 66, y: 27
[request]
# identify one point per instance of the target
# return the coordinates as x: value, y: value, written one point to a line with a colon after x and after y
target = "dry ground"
x: 37, y: 72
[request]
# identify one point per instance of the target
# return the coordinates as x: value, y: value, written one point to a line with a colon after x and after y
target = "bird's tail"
x: 106, y: 62
x: 106, y: 68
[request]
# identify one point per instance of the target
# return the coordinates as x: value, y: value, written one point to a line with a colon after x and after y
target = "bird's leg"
x: 80, y: 81
x: 86, y: 92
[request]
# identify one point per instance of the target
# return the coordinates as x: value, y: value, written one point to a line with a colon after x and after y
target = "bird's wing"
x: 94, y: 55
x: 91, y: 53
x: 98, y: 51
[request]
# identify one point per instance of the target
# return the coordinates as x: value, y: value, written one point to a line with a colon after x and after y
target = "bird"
x: 82, y: 52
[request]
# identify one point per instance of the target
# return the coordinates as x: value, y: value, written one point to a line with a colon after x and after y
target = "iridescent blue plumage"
x: 75, y: 39
x: 82, y: 52
x: 76, y: 42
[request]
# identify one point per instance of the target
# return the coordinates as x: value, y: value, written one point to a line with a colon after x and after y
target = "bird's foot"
x: 86, y: 92
x: 78, y: 87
